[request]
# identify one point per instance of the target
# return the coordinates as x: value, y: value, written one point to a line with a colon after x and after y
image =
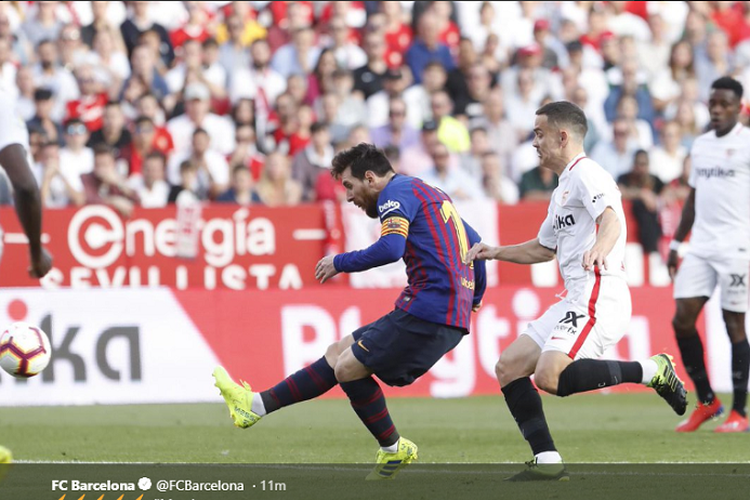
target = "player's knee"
x: 682, y: 325
x: 332, y: 353
x: 735, y: 323
x: 546, y: 381
x: 341, y: 372
x: 506, y: 370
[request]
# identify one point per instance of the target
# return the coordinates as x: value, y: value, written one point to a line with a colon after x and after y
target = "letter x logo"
x: 738, y: 280
x: 572, y: 318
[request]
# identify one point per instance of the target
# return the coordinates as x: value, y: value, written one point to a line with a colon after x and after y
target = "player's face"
x: 546, y: 142
x: 724, y: 107
x: 359, y: 192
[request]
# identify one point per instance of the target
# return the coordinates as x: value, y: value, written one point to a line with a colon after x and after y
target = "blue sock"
x: 308, y: 383
x: 368, y: 403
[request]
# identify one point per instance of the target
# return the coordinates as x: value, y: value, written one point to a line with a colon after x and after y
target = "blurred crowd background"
x: 150, y: 103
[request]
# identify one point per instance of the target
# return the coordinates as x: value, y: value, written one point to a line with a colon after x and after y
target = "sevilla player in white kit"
x: 718, y: 211
x: 14, y: 145
x: 585, y: 229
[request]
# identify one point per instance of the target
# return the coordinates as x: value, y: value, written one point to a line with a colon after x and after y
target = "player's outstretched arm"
x: 28, y: 206
x: 606, y: 237
x: 531, y: 252
x: 387, y: 249
x: 686, y: 224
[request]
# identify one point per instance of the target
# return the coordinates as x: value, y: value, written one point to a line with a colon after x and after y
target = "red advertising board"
x: 261, y: 337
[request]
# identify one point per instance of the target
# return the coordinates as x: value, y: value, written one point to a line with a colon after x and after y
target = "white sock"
x: 548, y: 457
x: 649, y: 370
x: 258, y: 407
x: 392, y: 448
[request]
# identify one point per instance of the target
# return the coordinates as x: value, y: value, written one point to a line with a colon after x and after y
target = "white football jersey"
x: 721, y: 177
x: 584, y: 191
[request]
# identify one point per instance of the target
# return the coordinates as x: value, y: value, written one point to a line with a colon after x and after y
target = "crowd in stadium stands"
x: 149, y: 103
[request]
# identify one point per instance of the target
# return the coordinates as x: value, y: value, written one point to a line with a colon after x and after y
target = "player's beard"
x: 371, y: 207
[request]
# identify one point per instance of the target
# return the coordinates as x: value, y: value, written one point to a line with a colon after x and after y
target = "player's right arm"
x: 28, y: 206
x: 530, y: 252
x: 686, y: 224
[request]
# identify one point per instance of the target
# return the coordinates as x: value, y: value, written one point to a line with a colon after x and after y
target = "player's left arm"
x: 389, y: 248
x: 397, y: 208
x: 606, y: 237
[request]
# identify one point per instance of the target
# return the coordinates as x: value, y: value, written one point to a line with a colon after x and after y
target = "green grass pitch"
x: 631, y: 428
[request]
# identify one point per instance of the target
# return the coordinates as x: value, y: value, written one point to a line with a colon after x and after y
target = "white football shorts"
x: 586, y: 325
x: 698, y: 277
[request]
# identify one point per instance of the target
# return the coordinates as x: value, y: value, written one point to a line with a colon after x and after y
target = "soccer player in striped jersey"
x: 420, y: 224
x: 585, y: 229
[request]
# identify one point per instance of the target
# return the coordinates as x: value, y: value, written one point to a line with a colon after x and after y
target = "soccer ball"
x: 24, y: 350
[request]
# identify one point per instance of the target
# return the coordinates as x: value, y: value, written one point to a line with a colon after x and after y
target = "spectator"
x: 368, y: 79
x: 148, y: 106
x: 89, y: 106
x: 501, y: 135
x: 457, y: 82
x: 348, y: 54
x: 243, y: 113
x: 151, y: 188
x: 669, y: 156
x: 397, y: 132
x: 145, y: 142
x: 192, y: 68
x: 186, y: 191
x: 43, y: 25
x: 219, y: 128
x: 71, y: 49
x: 234, y: 52
x: 537, y: 184
x: 313, y: 161
x: 75, y: 157
x: 276, y: 187
x: 521, y: 110
x: 246, y: 82
x: 194, y: 28
x: 470, y: 104
x: 716, y: 63
x: 398, y: 34
x: 543, y: 82
x: 138, y: 23
x: 101, y: 22
x: 329, y: 113
x: 579, y: 96
x: 417, y: 160
x: 396, y: 84
x: 8, y: 69
x: 247, y: 28
x: 143, y: 70
x: 616, y: 156
x: 299, y: 56
x: 60, y: 185
x: 352, y: 110
x: 640, y: 130
x: 296, y: 86
x: 643, y: 189
x: 114, y: 134
x: 554, y: 53
x: 496, y: 185
x: 105, y: 185
x: 451, y: 132
x: 453, y: 181
x: 247, y: 152
x: 20, y: 46
x: 427, y: 47
x: 111, y: 65
x: 48, y: 74
x: 241, y: 192
x: 212, y: 73
x: 630, y: 86
x: 320, y: 81
x: 42, y: 121
x: 213, y: 169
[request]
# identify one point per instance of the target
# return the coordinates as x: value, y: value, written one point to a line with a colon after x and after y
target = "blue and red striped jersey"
x: 441, y: 288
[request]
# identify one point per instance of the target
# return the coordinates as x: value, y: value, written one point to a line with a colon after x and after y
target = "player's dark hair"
x: 728, y: 83
x: 360, y: 159
x: 564, y: 113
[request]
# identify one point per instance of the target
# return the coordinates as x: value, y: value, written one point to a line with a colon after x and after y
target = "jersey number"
x: 449, y: 213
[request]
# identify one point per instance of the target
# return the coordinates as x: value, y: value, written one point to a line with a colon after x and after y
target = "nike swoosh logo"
x: 360, y: 344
